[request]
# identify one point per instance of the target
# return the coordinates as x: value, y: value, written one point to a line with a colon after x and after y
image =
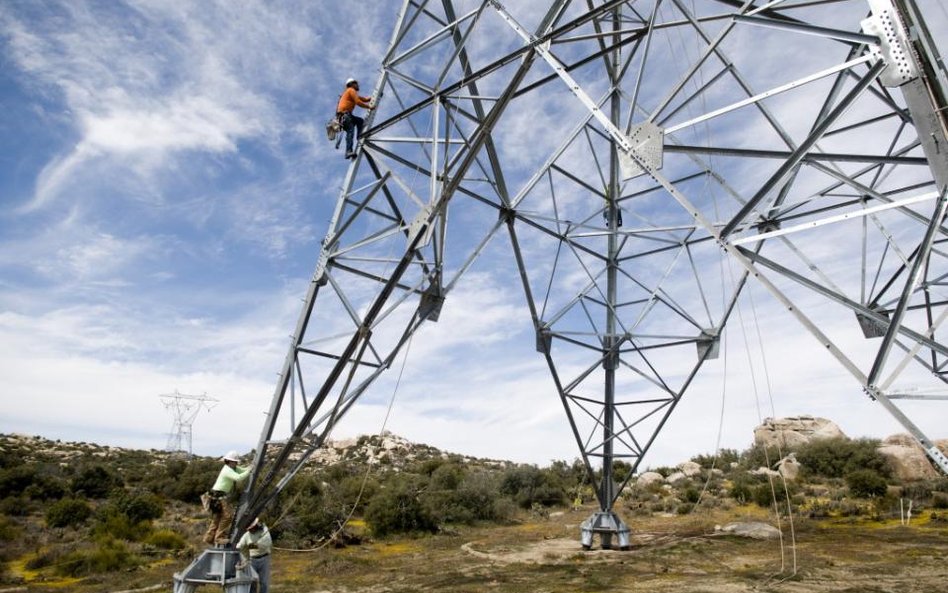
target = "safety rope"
x: 760, y: 418
x: 773, y: 412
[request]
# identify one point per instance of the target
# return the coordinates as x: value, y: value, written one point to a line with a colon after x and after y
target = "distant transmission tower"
x: 185, y: 409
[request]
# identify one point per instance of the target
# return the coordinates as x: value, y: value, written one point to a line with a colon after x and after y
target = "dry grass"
x: 679, y: 554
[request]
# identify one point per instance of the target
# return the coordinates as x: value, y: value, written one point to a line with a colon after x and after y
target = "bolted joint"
x: 544, y: 340
x: 432, y: 299
x: 506, y: 214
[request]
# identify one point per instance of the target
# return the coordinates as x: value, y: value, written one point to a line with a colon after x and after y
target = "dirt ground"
x: 681, y: 554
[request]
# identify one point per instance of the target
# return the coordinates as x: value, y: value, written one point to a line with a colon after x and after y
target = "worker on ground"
x: 351, y: 122
x: 255, y: 545
x: 222, y: 496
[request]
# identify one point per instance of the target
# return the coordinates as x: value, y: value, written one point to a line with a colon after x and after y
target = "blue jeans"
x: 262, y: 566
x: 351, y: 123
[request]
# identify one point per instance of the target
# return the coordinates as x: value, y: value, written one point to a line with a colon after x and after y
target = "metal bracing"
x: 621, y: 156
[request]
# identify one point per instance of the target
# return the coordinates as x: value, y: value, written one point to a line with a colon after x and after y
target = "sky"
x: 165, y: 182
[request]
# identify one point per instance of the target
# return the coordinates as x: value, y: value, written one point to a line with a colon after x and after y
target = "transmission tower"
x: 184, y: 408
x: 634, y: 167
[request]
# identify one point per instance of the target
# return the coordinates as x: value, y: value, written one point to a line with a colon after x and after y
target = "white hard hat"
x: 231, y: 456
x: 350, y: 81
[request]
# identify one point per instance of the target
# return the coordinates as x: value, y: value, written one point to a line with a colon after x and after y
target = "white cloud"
x: 161, y: 247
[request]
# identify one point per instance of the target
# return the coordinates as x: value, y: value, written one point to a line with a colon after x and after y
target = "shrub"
x: 317, y: 522
x: 68, y: 512
x: 527, y: 486
x: 108, y: 556
x: 128, y: 516
x: 691, y: 495
x: 111, y: 524
x: 185, y: 480
x: 742, y: 489
x: 917, y: 490
x: 8, y: 530
x: 45, y: 488
x: 166, y: 540
x: 473, y: 499
x: 763, y: 495
x: 138, y: 507
x: 759, y: 456
x: 13, y: 481
x: 479, y: 494
x: 447, y: 476
x: 16, y: 506
x: 836, y: 458
x: 355, y: 491
x: 399, y: 510
x: 721, y: 460
x: 939, y: 500
x: 95, y: 481
x: 866, y: 483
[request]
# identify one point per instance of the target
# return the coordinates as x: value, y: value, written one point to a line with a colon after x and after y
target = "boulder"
x: 789, y: 467
x: 751, y: 529
x: 648, y: 478
x: 907, y: 458
x: 689, y: 468
x: 676, y: 477
x: 764, y: 471
x: 794, y: 431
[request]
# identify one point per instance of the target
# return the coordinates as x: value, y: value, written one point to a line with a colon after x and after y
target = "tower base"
x: 608, y: 525
x: 219, y: 567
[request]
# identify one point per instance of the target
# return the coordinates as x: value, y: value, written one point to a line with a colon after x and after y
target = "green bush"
x: 109, y: 556
x: 475, y: 498
x: 14, y: 480
x: 8, y: 530
x: 114, y: 525
x: 95, y: 481
x: 479, y: 494
x: 184, y: 480
x: 447, y: 476
x: 527, y: 485
x: 355, y: 491
x: 128, y: 516
x: 138, y: 507
x: 68, y: 512
x: 16, y: 506
x: 866, y: 483
x: 691, y: 495
x: 398, y: 509
x: 721, y: 460
x: 760, y: 456
x: 166, y: 540
x: 742, y: 489
x: 837, y: 458
x: 45, y: 487
x: 315, y: 510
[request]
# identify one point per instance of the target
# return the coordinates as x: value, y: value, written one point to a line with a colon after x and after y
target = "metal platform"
x: 216, y: 566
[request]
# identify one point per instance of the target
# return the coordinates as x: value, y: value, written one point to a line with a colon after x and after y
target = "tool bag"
x: 333, y: 127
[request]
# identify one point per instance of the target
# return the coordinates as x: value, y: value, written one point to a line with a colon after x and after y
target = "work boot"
x: 351, y: 154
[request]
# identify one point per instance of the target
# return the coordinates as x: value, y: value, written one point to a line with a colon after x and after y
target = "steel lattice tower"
x: 185, y: 409
x: 634, y: 165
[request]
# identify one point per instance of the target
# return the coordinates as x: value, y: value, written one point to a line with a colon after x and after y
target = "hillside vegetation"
x: 84, y: 517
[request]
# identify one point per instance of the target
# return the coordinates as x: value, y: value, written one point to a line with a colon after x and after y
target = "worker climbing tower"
x: 629, y: 169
